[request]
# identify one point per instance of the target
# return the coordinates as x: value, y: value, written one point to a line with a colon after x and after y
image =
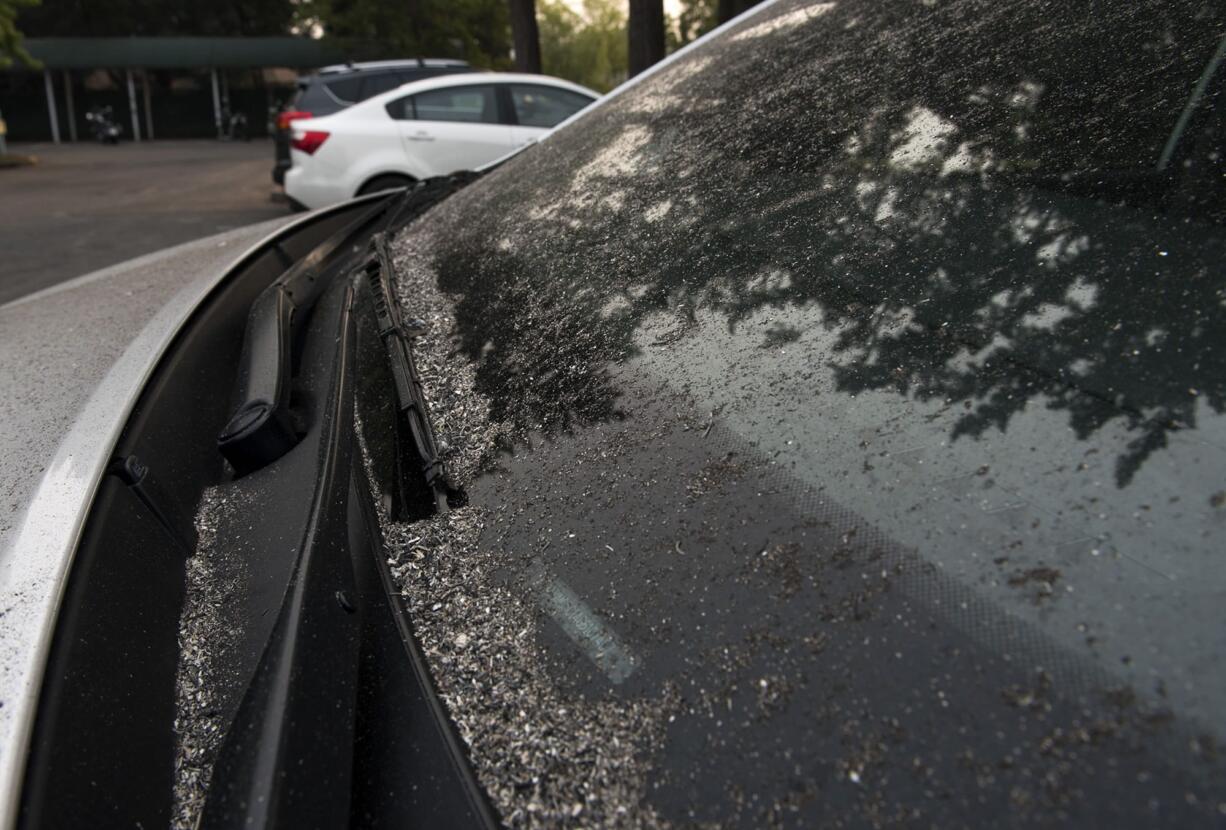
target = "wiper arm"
x: 262, y: 427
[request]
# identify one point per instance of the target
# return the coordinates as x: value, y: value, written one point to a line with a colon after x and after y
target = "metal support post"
x: 148, y: 105
x: 71, y: 114
x: 132, y: 106
x: 216, y: 104
x: 55, y: 119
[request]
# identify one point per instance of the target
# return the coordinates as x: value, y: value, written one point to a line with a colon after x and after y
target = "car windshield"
x: 859, y: 379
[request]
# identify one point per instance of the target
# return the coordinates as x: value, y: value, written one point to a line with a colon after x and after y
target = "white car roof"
x: 403, y: 63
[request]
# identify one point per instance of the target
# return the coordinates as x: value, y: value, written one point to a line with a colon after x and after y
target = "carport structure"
x: 198, y: 61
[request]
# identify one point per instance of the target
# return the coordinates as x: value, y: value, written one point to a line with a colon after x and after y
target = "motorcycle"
x: 103, y: 125
x: 234, y: 125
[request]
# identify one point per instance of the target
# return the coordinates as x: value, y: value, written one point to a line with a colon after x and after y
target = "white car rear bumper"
x: 314, y: 187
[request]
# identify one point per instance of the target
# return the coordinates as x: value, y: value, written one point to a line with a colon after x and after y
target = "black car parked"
x: 335, y: 87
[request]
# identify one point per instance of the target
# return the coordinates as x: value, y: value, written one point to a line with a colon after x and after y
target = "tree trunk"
x: 646, y: 32
x: 729, y: 9
x: 525, y: 36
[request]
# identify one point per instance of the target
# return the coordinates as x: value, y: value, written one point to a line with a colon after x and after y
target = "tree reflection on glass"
x: 978, y: 220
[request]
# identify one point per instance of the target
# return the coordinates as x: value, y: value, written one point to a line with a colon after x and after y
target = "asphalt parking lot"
x: 85, y: 206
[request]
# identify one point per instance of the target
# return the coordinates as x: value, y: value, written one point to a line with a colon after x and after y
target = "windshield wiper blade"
x: 411, y: 405
x: 419, y: 197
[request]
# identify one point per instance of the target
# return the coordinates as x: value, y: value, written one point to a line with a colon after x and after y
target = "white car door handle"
x: 422, y: 136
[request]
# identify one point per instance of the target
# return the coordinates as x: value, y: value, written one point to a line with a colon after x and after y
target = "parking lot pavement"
x: 85, y: 206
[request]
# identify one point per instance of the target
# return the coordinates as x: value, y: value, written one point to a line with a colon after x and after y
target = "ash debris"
x: 468, y: 436
x: 545, y: 757
x: 206, y: 634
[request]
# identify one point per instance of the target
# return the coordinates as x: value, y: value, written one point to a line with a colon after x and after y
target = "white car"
x: 422, y: 129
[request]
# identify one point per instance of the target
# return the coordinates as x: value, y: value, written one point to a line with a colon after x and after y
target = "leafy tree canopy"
x: 10, y: 37
x: 588, y: 48
x: 696, y: 18
x: 476, y: 30
x: 123, y: 18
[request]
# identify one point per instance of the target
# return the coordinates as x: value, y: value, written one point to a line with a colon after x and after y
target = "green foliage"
x: 10, y: 37
x: 697, y: 17
x: 475, y: 30
x: 123, y: 18
x: 587, y: 48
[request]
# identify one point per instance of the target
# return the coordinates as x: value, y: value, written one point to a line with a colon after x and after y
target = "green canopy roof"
x: 180, y: 52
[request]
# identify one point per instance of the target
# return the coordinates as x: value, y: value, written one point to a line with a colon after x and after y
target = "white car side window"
x: 543, y: 106
x: 467, y: 104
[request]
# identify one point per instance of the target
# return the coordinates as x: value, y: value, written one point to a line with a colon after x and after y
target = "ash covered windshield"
x: 858, y: 383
